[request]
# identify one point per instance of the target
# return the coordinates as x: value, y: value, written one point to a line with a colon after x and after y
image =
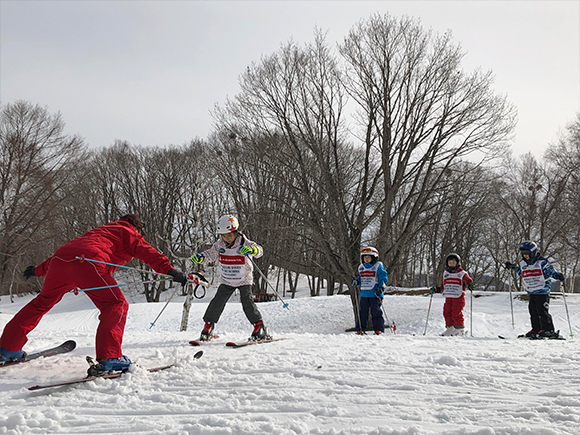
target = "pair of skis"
x: 108, y: 376
x: 91, y: 378
x: 523, y: 336
x: 66, y: 347
x: 236, y: 345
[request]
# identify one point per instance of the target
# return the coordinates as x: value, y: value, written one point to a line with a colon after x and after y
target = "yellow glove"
x: 252, y: 250
x: 196, y: 259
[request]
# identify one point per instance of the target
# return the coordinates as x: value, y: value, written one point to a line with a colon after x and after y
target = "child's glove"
x: 435, y: 289
x: 354, y: 282
x: 196, y: 259
x: 252, y: 250
x: 510, y: 266
x: 379, y: 293
x: 559, y: 276
x: 471, y: 286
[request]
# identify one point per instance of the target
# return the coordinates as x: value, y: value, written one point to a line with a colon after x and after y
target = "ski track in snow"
x: 320, y: 380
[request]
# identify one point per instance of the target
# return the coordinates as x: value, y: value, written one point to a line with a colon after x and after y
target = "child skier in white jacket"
x: 231, y: 251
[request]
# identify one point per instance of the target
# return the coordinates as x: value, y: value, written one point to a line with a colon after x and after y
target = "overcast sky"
x: 150, y: 72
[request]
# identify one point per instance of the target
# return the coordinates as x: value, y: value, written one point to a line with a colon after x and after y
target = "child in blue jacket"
x: 536, y: 272
x: 372, y: 280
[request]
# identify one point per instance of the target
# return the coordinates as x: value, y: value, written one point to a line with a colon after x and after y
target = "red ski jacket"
x: 116, y: 242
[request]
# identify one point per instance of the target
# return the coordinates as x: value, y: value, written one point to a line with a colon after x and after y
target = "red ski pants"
x: 453, y: 311
x: 62, y: 277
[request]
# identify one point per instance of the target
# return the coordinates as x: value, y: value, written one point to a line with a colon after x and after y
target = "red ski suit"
x: 454, y: 303
x: 116, y: 242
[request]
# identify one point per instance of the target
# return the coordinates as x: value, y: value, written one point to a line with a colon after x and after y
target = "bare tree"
x: 421, y: 112
x: 533, y: 195
x: 291, y: 106
x: 37, y: 163
x: 564, y: 158
x: 165, y: 186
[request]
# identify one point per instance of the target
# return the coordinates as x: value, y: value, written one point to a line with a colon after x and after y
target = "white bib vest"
x: 453, y: 284
x: 532, y: 276
x: 368, y: 276
x: 232, y: 265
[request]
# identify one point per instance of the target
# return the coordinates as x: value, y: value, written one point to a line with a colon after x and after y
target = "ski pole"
x: 357, y: 307
x: 164, y: 306
x: 512, y: 301
x: 471, y: 313
x: 567, y: 314
x: 192, y: 278
x: 121, y: 266
x: 284, y: 304
x: 384, y: 312
x: 76, y: 291
x: 391, y: 325
x: 428, y: 311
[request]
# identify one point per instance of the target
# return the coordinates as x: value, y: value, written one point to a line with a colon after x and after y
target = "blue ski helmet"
x: 529, y: 248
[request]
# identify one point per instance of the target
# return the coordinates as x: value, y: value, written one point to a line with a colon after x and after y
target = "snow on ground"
x: 320, y: 380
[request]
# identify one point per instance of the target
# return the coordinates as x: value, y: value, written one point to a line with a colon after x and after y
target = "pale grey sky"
x: 149, y: 72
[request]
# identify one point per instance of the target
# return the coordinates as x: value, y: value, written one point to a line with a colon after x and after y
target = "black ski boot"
x: 532, y: 335
x: 260, y: 332
x: 552, y: 335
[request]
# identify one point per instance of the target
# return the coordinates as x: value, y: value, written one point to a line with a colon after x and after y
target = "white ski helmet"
x: 369, y: 250
x: 227, y: 224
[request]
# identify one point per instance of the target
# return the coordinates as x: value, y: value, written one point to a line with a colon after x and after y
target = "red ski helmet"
x: 369, y: 250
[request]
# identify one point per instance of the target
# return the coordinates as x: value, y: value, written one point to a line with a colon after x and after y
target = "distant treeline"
x: 383, y: 140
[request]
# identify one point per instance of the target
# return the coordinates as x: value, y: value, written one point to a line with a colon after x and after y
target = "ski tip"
x: 69, y: 345
x: 195, y: 343
x: 230, y: 343
x: 198, y: 354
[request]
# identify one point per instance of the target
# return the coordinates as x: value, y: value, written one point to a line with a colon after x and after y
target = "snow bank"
x: 320, y: 380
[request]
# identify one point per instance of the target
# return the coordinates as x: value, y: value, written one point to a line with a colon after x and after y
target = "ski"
x: 110, y: 376
x: 247, y: 343
x: 66, y: 347
x: 200, y: 342
x: 91, y: 378
x: 523, y: 337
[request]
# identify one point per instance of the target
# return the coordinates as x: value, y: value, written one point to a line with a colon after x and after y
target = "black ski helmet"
x: 456, y: 257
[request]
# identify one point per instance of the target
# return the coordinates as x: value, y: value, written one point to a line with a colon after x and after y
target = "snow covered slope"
x: 320, y: 380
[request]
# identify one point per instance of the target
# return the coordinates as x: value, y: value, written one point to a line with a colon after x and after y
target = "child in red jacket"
x: 455, y: 281
x: 117, y: 243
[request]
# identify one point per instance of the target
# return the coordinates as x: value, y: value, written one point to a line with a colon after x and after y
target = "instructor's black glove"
x: 178, y: 276
x: 509, y: 265
x: 559, y: 276
x: 28, y: 272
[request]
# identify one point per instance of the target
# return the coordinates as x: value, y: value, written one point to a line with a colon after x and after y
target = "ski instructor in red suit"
x: 116, y: 242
